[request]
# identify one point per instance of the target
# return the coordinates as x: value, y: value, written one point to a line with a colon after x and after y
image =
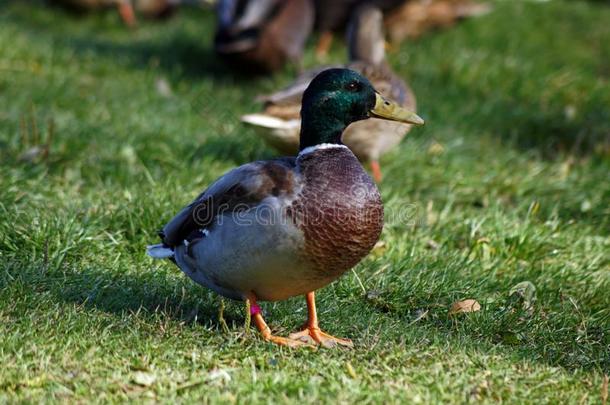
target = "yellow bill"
x: 389, y: 110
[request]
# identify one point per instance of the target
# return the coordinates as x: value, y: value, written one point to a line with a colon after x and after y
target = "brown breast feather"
x: 339, y: 210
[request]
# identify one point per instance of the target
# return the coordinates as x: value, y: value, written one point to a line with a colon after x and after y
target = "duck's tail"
x: 282, y: 134
x: 159, y: 251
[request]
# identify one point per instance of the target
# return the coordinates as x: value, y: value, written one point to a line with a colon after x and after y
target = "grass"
x: 507, y: 183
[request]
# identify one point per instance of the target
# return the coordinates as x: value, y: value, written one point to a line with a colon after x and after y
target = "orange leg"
x: 326, y: 40
x: 126, y: 12
x: 312, y: 330
x: 255, y: 312
x: 376, y: 169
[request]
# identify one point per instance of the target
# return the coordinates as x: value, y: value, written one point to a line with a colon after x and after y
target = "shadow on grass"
x: 126, y: 293
x: 500, y: 325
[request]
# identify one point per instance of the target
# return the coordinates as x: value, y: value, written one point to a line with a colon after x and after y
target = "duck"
x: 415, y: 17
x: 261, y: 36
x: 279, y: 125
x: 285, y: 227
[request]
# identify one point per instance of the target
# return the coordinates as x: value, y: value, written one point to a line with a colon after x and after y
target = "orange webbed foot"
x: 312, y: 332
x: 315, y: 335
x: 254, y: 311
x: 288, y: 342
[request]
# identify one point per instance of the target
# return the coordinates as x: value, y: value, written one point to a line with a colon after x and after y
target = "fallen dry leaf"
x: 468, y: 305
x: 605, y: 390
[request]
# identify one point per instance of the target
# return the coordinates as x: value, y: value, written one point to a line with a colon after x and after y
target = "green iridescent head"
x: 337, y: 97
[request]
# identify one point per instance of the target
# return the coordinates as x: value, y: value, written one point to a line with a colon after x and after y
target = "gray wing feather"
x: 244, y: 185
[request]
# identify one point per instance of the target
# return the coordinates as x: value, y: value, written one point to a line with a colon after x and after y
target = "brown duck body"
x: 279, y: 228
x: 264, y: 41
x: 416, y: 17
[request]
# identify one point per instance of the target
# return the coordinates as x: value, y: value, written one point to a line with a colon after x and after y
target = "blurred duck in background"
x: 263, y: 35
x: 404, y: 18
x: 279, y: 123
x: 415, y: 17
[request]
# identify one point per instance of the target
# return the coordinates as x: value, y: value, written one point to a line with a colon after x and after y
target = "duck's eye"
x: 354, y: 86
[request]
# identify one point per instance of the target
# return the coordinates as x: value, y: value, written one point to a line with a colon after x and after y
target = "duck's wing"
x: 241, y: 188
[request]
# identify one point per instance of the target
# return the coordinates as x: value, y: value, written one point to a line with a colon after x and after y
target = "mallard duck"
x: 415, y: 17
x: 271, y: 230
x: 262, y: 35
x: 279, y: 123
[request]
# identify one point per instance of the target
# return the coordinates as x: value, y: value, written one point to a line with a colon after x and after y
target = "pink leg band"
x: 255, y: 309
